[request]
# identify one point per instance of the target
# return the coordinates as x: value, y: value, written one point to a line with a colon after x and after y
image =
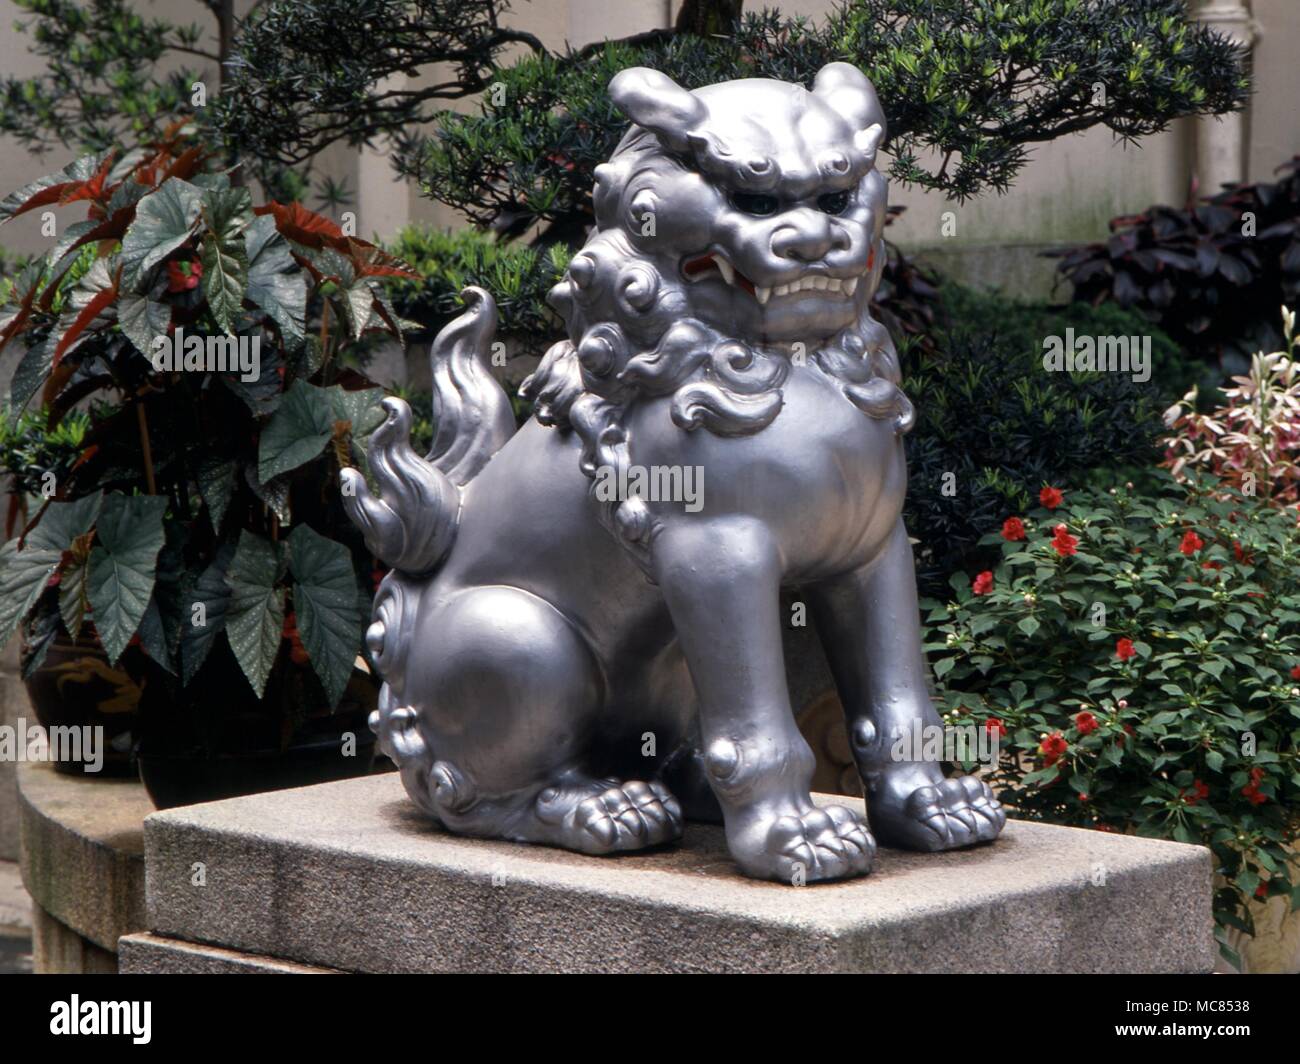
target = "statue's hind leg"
x: 504, y: 695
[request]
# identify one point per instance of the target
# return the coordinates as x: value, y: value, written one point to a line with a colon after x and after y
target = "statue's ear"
x: 848, y: 92
x: 655, y: 102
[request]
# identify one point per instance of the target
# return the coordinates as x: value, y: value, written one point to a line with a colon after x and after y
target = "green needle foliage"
x: 109, y: 80
x: 968, y: 85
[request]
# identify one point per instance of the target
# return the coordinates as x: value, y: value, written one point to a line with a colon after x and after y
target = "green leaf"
x: 227, y: 213
x: 274, y: 493
x: 326, y: 607
x: 160, y: 627
x: 207, y: 603
x: 1214, y: 668
x: 142, y: 320
x: 164, y: 220
x: 1029, y: 625
x: 275, y: 281
x: 358, y: 300
x: 297, y: 432
x: 123, y: 566
x: 63, y: 522
x: 944, y: 666
x: 216, y: 477
x: 361, y: 408
x: 364, y: 412
x: 32, y: 368
x: 225, y: 276
x: 23, y: 576
x: 255, y: 614
x: 72, y: 597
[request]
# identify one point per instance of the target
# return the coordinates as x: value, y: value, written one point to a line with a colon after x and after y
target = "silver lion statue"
x: 581, y: 634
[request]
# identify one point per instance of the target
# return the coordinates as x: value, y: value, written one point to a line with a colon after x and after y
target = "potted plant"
x: 197, y: 539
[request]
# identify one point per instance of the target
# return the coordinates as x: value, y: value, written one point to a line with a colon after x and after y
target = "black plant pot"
x: 214, y: 739
x: 77, y: 688
x: 188, y: 777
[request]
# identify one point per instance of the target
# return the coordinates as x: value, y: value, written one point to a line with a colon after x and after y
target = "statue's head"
x: 760, y: 197
x: 738, y: 233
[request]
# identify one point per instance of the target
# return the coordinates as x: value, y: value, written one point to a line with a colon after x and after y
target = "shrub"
x: 1252, y: 441
x: 1143, y: 657
x: 993, y: 426
x: 517, y: 276
x: 37, y: 457
x: 1212, y: 274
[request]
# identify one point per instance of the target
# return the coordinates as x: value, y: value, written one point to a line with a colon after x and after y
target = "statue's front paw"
x: 944, y: 814
x: 821, y: 844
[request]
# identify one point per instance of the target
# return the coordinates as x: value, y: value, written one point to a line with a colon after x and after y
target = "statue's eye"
x: 755, y: 203
x: 835, y: 202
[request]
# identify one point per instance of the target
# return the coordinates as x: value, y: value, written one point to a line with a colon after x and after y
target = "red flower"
x: 1211, y: 565
x: 1053, y: 748
x: 1261, y: 891
x: 1051, y: 497
x: 1252, y: 791
x: 1198, y: 793
x: 1124, y: 649
x: 1086, y: 723
x: 1295, y: 673
x: 1063, y: 543
x: 995, y: 727
x: 1191, y: 544
x: 1242, y: 556
x: 1082, y: 797
x: 983, y: 583
x: 1013, y: 529
x: 183, y: 276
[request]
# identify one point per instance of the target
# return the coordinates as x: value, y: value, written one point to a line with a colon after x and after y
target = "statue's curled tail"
x: 411, y: 522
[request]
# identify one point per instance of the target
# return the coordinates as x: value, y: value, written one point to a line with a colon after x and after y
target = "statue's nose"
x: 806, y: 235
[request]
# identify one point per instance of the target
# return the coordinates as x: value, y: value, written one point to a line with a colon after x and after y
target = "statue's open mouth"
x: 711, y: 262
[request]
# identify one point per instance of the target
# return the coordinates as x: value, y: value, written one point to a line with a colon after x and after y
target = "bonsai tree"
x: 979, y: 81
x: 214, y: 344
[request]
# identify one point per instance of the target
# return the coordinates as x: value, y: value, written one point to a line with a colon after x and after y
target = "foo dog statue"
x: 582, y: 667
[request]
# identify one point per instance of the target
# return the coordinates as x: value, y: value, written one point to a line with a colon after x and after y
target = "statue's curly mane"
x: 632, y: 335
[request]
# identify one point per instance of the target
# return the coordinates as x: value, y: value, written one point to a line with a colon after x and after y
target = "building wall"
x: 1067, y: 193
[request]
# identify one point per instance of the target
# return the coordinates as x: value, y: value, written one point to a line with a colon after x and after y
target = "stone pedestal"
x: 83, y: 864
x: 348, y: 876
